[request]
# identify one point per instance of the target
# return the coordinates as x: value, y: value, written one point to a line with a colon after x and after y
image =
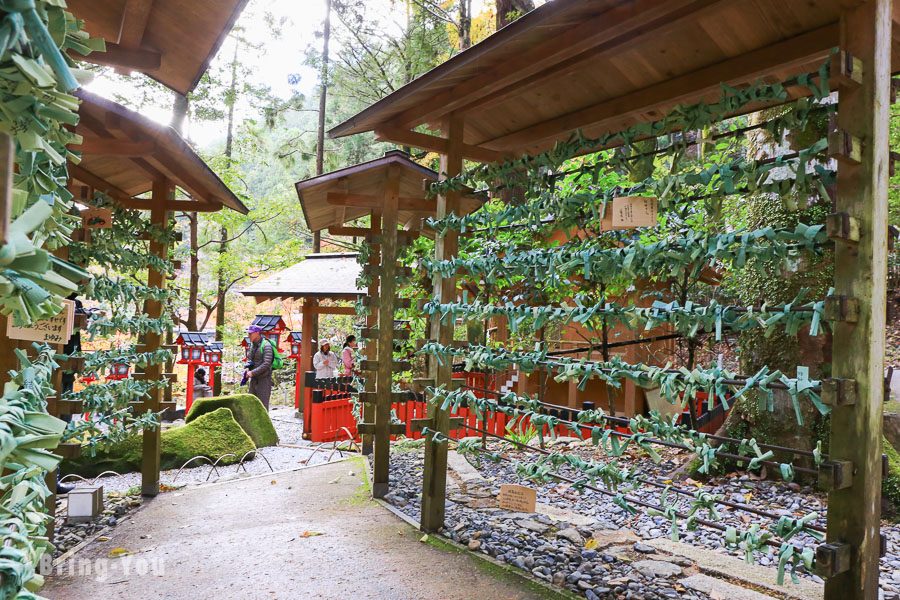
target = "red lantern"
x: 272, y: 327
x: 193, y: 344
x: 295, y: 338
x: 118, y: 371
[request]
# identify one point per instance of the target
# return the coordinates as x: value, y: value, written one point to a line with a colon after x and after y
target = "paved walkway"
x: 259, y: 539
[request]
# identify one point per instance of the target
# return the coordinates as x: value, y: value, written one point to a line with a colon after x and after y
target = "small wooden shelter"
x: 601, y: 66
x: 171, y: 41
x: 317, y: 278
x: 391, y: 191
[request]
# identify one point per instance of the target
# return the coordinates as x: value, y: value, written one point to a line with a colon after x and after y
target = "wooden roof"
x: 124, y: 153
x: 367, y: 179
x: 601, y: 66
x: 172, y: 41
x: 316, y: 276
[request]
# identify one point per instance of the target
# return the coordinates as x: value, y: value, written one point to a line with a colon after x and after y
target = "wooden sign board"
x: 97, y: 218
x: 56, y: 330
x: 518, y: 498
x: 629, y: 212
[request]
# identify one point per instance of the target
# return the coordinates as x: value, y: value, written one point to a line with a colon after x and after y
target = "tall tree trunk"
x: 323, y: 90
x: 465, y: 24
x: 180, y: 108
x: 510, y: 10
x: 221, y: 286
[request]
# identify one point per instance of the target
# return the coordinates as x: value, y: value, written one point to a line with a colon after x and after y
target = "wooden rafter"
x: 135, y: 15
x: 398, y: 135
x: 98, y: 183
x: 127, y: 59
x: 114, y: 147
x: 607, y: 30
x: 374, y: 202
x: 794, y: 52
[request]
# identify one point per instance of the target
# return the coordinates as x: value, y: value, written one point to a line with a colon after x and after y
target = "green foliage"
x: 248, y: 411
x: 890, y: 486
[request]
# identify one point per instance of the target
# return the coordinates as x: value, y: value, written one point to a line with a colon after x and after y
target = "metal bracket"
x: 844, y: 148
x: 842, y: 308
x: 842, y: 227
x: 846, y: 69
x: 833, y: 559
x: 839, y: 392
x: 835, y: 475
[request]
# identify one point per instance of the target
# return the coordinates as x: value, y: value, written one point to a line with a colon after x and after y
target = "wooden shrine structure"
x: 599, y: 67
x: 317, y: 278
x: 389, y: 192
x: 171, y: 41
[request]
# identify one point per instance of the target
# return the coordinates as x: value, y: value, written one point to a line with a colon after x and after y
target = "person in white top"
x: 325, y: 362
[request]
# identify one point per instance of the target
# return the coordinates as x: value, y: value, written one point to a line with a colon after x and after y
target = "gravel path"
x: 472, y: 518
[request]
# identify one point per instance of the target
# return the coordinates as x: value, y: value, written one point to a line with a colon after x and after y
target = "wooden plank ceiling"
x: 335, y: 198
x: 172, y: 41
x: 124, y: 153
x: 601, y: 66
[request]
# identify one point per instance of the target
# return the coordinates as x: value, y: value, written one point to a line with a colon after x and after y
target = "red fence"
x: 329, y: 415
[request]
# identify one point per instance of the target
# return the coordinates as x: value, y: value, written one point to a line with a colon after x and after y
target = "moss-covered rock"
x: 247, y: 410
x: 213, y: 434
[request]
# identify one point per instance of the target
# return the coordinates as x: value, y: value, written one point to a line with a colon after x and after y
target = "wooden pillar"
x: 150, y: 463
x: 307, y: 349
x: 434, y: 489
x: 860, y: 274
x: 372, y: 321
x: 383, y: 379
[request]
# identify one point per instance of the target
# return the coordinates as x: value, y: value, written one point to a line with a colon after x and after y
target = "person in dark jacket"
x: 259, y: 375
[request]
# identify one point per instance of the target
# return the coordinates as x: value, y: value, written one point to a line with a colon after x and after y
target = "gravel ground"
x: 122, y: 492
x: 473, y: 516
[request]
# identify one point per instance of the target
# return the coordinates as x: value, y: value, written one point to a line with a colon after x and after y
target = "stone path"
x: 310, y: 533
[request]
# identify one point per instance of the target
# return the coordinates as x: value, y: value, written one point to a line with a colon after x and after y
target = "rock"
x: 571, y: 534
x: 112, y: 521
x: 584, y: 584
x: 657, y: 568
x: 531, y: 525
x: 606, y: 537
x: 474, y: 545
x: 591, y: 595
x: 559, y: 578
x: 644, y: 548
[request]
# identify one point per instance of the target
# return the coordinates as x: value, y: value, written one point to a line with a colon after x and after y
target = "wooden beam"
x: 334, y: 310
x: 98, y: 183
x: 434, y: 487
x: 173, y: 205
x: 583, y: 42
x: 384, y: 373
x: 860, y: 273
x: 7, y: 164
x: 114, y: 147
x: 306, y: 356
x: 366, y: 201
x: 135, y: 15
x: 150, y: 461
x: 794, y: 52
x: 371, y: 351
x: 126, y: 59
x: 401, y: 136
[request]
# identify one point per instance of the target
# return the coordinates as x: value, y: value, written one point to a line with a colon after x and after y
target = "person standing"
x: 261, y: 356
x: 348, y: 356
x: 325, y: 362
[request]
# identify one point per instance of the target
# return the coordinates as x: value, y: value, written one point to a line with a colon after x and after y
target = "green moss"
x: 247, y: 410
x: 212, y: 435
x: 890, y: 486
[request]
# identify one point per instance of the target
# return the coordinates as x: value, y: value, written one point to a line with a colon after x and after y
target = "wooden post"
x: 306, y: 355
x: 861, y: 273
x: 7, y: 161
x: 150, y: 464
x: 434, y: 490
x: 372, y: 321
x: 383, y: 379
